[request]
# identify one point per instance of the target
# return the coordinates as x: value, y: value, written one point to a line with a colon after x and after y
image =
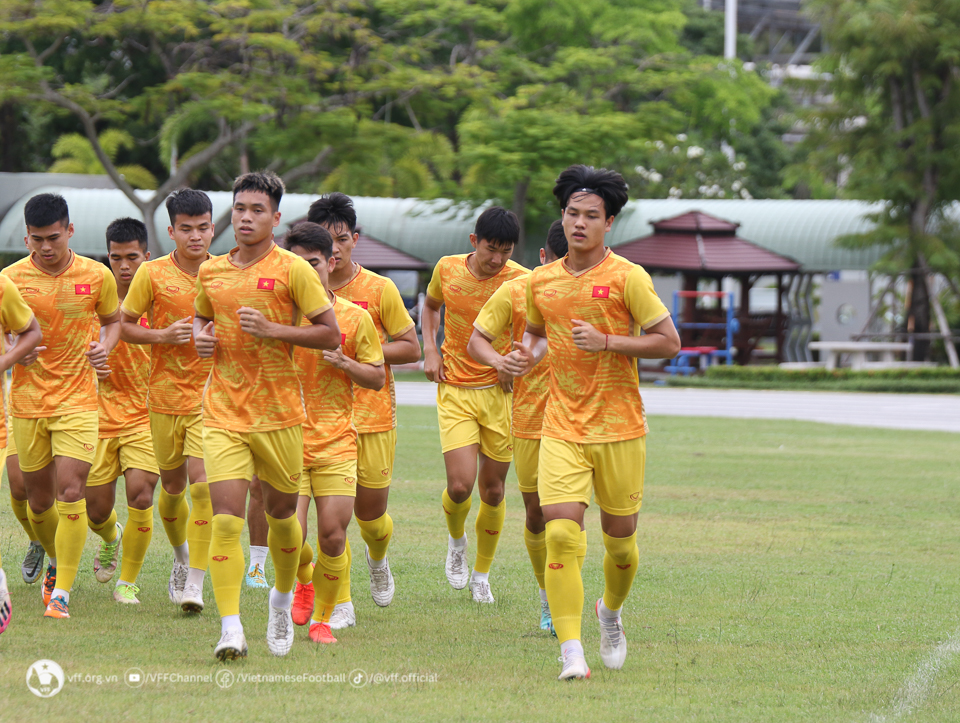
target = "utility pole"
x: 730, y: 29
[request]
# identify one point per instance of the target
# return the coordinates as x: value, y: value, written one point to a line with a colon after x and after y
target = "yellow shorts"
x: 475, y: 416
x: 336, y: 478
x: 42, y: 439
x: 118, y: 454
x: 176, y: 437
x: 275, y: 457
x: 526, y: 460
x: 376, y: 452
x: 12, y: 443
x: 613, y: 470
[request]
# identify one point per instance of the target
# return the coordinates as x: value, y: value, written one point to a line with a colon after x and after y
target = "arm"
x: 323, y: 332
x: 368, y: 376
x: 203, y: 335
x: 430, y: 323
x: 109, y: 337
x: 25, y: 343
x: 178, y: 333
x: 660, y: 341
x: 527, y: 354
x: 403, y: 349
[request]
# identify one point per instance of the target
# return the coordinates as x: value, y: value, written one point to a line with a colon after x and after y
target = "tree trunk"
x: 520, y: 208
x: 918, y: 316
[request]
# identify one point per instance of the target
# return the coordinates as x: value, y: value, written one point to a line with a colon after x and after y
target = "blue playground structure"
x: 697, y: 358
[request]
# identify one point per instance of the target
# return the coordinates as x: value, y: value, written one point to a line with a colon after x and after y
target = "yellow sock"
x: 377, y: 533
x: 71, y: 537
x: 227, y: 564
x: 199, y: 528
x: 305, y: 571
x: 284, y: 540
x: 456, y: 515
x: 327, y: 579
x: 537, y: 549
x: 22, y: 510
x: 619, y: 568
x: 137, y: 534
x: 108, y: 530
x: 488, y: 528
x: 345, y: 582
x: 582, y: 553
x: 564, y: 584
x: 45, y: 526
x: 174, y: 513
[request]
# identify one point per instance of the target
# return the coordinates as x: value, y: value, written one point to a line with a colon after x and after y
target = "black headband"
x: 586, y: 190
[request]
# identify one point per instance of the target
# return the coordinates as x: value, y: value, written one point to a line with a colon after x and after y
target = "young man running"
x: 329, y: 435
x: 507, y: 308
x: 374, y: 411
x: 164, y: 291
x: 249, y: 306
x: 124, y: 445
x: 472, y: 405
x: 54, y: 399
x: 15, y: 318
x: 589, y: 309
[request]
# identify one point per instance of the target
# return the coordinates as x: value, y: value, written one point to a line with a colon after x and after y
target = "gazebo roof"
x: 695, y: 241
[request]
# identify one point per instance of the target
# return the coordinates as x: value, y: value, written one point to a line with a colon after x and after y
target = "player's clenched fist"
x: 255, y: 323
x: 179, y: 332
x: 97, y: 355
x: 587, y: 338
x: 206, y: 342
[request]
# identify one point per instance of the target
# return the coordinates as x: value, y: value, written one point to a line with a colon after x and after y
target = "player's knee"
x: 534, y: 519
x: 333, y: 543
x: 459, y: 490
x: 620, y: 549
x: 142, y: 499
x: 563, y: 537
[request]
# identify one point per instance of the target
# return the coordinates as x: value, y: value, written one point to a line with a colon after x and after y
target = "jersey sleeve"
x: 306, y: 290
x: 641, y: 299
x: 15, y: 315
x: 393, y: 314
x: 435, y: 287
x: 108, y: 302
x: 369, y: 349
x: 202, y: 303
x: 534, y: 316
x: 139, y: 296
x: 496, y: 314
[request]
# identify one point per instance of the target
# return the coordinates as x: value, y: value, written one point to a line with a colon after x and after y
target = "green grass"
x: 789, y: 572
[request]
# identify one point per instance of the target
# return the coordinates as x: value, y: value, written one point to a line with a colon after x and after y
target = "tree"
x: 894, y: 124
x: 75, y: 154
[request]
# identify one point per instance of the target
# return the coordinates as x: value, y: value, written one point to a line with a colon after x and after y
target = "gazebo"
x: 701, y: 246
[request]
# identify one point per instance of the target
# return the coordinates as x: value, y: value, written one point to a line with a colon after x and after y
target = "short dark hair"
x: 125, y: 230
x: 310, y: 236
x: 333, y: 210
x: 188, y: 202
x: 608, y: 185
x: 266, y: 182
x: 499, y: 226
x: 46, y: 209
x: 557, y: 239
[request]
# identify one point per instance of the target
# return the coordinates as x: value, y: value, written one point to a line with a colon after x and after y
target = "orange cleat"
x: 303, y: 597
x: 49, y: 583
x: 57, y: 608
x: 320, y: 633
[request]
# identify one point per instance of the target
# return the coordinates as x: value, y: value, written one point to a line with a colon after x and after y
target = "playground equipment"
x: 697, y: 358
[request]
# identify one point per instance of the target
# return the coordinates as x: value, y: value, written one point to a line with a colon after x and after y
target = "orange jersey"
x: 594, y: 398
x: 508, y: 308
x: 61, y: 381
x: 254, y: 386
x: 15, y: 317
x: 164, y: 292
x: 376, y: 410
x: 464, y: 295
x: 123, y: 395
x: 329, y: 434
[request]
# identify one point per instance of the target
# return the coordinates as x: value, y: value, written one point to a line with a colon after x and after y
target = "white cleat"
x: 232, y: 645
x: 480, y: 589
x: 280, y: 631
x: 613, y: 643
x: 178, y: 580
x: 574, y: 668
x: 456, y: 568
x: 381, y: 581
x: 343, y: 616
x: 192, y: 599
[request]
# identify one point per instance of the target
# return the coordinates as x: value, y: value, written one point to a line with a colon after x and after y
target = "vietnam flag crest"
x: 362, y: 304
x: 265, y: 284
x: 82, y: 289
x: 601, y: 292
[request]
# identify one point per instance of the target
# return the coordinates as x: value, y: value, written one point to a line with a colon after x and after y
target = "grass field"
x: 789, y: 572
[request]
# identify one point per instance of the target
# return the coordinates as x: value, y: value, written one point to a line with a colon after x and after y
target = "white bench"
x: 858, y: 350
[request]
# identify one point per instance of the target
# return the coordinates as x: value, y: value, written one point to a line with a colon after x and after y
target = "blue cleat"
x: 255, y: 577
x: 546, y: 620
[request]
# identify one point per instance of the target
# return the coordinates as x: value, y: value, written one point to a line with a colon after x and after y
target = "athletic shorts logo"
x: 362, y: 304
x: 295, y: 477
x: 266, y: 284
x: 288, y: 550
x: 385, y: 472
x: 349, y: 480
x: 219, y: 558
x: 173, y: 289
x: 143, y: 529
x: 635, y: 496
x: 330, y: 577
x: 88, y: 447
x: 73, y: 517
x: 624, y: 567
x: 81, y: 289
x: 601, y: 292
x: 197, y: 522
x: 549, y: 292
x: 492, y: 532
x: 555, y: 565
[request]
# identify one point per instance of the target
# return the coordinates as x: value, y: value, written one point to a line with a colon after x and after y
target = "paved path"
x: 894, y: 411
